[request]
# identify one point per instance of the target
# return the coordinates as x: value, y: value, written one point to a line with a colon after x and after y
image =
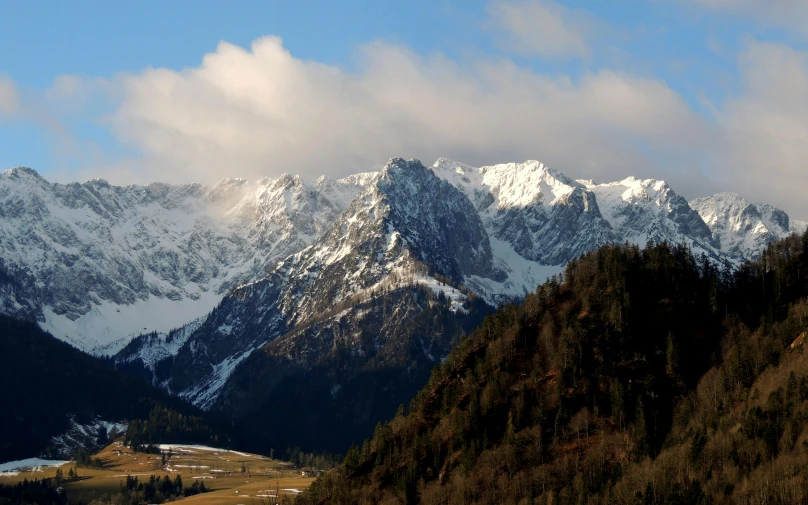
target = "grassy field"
x: 233, y: 478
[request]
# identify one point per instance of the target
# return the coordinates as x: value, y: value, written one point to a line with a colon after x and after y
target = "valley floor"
x: 261, y: 481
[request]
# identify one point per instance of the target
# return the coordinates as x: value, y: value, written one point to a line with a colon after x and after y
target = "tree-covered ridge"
x: 46, y: 381
x: 647, y: 376
x: 167, y: 425
x: 345, y: 370
x: 33, y: 492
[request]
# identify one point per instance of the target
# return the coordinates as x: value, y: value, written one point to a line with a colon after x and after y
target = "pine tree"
x: 672, y: 356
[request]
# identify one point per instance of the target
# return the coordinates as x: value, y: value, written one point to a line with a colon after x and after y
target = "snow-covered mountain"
x: 210, y: 275
x: 740, y: 228
x: 406, y: 223
x: 648, y: 210
x: 96, y: 264
x: 549, y: 218
x: 545, y: 216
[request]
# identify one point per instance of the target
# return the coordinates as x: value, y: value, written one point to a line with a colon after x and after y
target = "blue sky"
x: 703, y: 93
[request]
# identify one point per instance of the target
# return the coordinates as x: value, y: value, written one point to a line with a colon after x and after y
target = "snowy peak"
x: 405, y: 215
x: 508, y: 184
x: 22, y: 173
x: 653, y: 195
x: 740, y: 227
x: 643, y: 210
x: 528, y: 183
x: 632, y: 189
x: 439, y: 221
x: 545, y: 216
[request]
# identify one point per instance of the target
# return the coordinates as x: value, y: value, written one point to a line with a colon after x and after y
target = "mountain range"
x: 205, y: 290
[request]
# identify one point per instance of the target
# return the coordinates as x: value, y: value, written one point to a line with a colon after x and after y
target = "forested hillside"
x: 645, y: 377
x: 45, y: 382
x: 346, y: 370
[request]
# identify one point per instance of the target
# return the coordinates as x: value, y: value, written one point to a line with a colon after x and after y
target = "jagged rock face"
x: 110, y: 261
x: 549, y: 218
x: 19, y: 294
x: 545, y: 216
x: 85, y: 437
x: 365, y: 332
x: 407, y: 217
x: 438, y: 221
x: 642, y: 211
x: 742, y: 229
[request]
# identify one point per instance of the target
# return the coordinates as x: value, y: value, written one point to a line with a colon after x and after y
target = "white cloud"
x: 541, y: 27
x: 9, y: 99
x: 765, y: 153
x: 789, y: 14
x: 262, y: 112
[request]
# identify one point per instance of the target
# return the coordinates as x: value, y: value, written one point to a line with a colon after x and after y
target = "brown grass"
x: 219, y: 470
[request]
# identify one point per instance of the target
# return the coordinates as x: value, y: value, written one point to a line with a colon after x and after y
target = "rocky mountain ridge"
x: 740, y: 228
x: 406, y: 223
x: 240, y: 264
x: 97, y: 264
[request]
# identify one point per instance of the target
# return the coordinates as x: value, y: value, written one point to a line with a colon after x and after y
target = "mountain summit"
x: 742, y: 228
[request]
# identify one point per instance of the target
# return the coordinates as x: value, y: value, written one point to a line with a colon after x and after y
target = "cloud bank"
x: 765, y: 127
x: 260, y: 111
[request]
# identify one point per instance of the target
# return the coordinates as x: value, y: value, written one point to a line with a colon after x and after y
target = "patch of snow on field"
x: 12, y: 468
x: 193, y: 448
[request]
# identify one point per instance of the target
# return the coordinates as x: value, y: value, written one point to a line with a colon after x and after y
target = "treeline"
x: 165, y: 425
x: 86, y: 460
x: 647, y: 376
x: 345, y: 373
x: 32, y: 492
x: 153, y: 490
x: 315, y: 460
x: 37, y: 408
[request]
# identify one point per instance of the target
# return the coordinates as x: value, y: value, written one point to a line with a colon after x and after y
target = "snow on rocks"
x: 12, y: 468
x: 84, y: 436
x: 743, y: 228
x: 103, y: 263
